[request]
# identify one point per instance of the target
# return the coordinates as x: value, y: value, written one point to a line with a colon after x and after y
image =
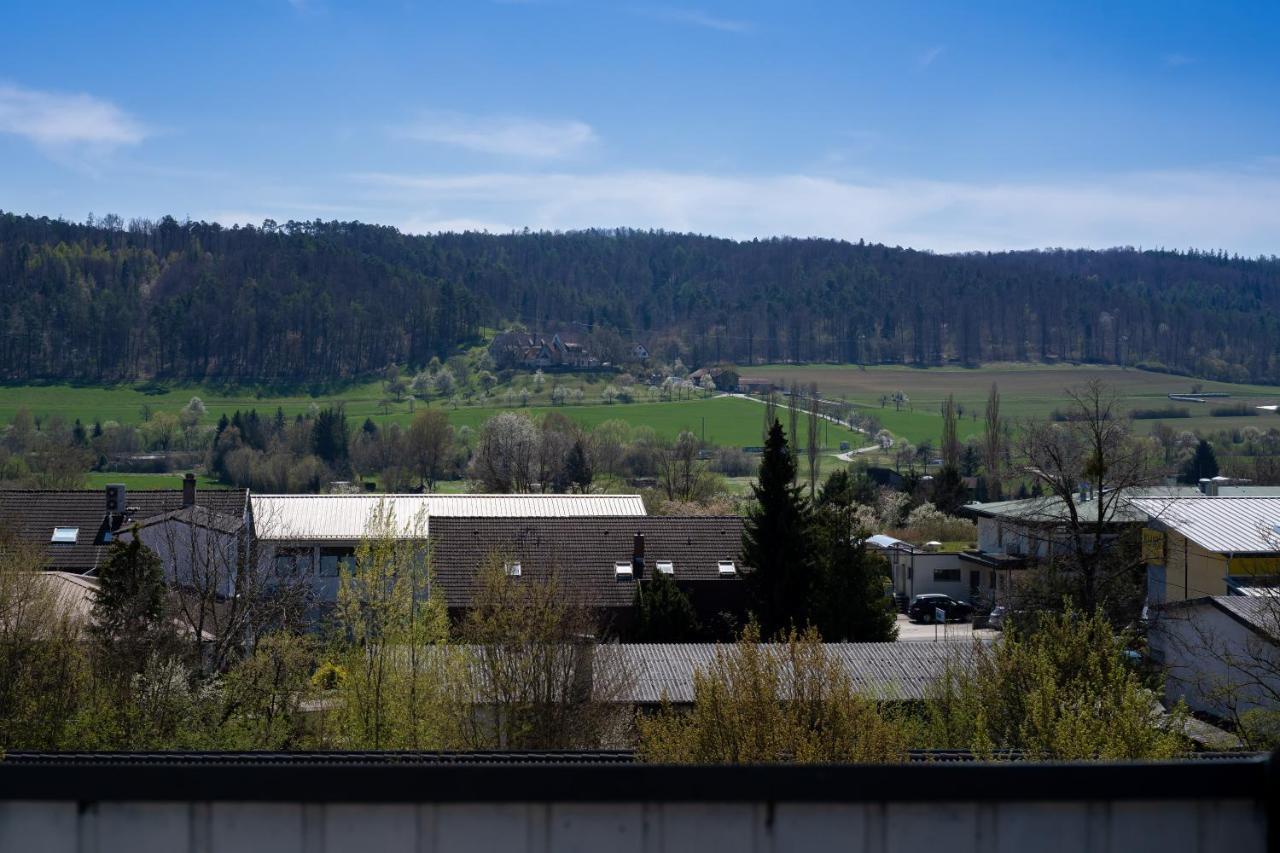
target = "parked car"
x: 996, y: 619
x: 923, y: 608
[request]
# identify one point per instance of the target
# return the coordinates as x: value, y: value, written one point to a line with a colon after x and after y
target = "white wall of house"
x: 1213, y: 661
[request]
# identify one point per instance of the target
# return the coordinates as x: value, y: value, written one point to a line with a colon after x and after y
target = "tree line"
x: 106, y: 300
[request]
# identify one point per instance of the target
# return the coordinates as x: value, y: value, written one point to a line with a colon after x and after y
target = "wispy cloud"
x: 507, y: 136
x: 53, y: 119
x: 926, y: 58
x: 1232, y: 209
x: 698, y: 18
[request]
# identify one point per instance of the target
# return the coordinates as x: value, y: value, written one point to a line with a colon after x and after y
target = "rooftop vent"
x: 65, y: 535
x: 666, y: 567
x: 727, y: 567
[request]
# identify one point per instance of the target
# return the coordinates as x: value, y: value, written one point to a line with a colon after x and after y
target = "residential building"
x: 1221, y: 653
x: 1209, y: 546
x: 75, y: 527
x: 600, y: 560
x: 312, y: 535
x: 918, y: 571
x: 521, y: 349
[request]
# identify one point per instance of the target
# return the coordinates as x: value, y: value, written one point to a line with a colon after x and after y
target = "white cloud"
x: 699, y: 18
x: 1231, y: 209
x: 52, y: 119
x: 507, y: 136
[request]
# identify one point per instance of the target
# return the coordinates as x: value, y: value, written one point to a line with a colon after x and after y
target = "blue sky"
x: 944, y: 126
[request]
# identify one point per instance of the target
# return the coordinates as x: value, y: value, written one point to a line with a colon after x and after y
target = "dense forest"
x: 108, y: 300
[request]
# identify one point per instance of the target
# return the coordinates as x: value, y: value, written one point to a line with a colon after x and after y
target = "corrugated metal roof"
x: 894, y: 671
x: 1224, y: 525
x: 346, y: 517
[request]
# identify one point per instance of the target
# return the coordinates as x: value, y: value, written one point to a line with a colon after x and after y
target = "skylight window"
x: 666, y: 567
x: 513, y: 569
x: 65, y: 535
x: 622, y: 570
x: 727, y: 567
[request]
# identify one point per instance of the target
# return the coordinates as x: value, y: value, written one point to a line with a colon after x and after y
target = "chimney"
x: 637, y: 556
x: 189, y: 490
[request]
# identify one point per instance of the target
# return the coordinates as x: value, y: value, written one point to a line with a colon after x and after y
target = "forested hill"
x: 306, y: 301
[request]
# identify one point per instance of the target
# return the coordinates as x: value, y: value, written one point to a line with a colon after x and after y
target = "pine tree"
x: 775, y: 542
x: 577, y: 468
x: 849, y: 602
x: 664, y: 614
x: 1203, y: 464
x: 128, y: 602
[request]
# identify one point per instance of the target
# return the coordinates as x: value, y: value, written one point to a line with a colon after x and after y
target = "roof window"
x: 666, y: 567
x: 622, y: 570
x: 513, y: 569
x: 65, y: 535
x: 727, y: 567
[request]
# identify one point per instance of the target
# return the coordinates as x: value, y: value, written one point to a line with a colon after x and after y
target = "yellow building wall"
x: 1192, y: 572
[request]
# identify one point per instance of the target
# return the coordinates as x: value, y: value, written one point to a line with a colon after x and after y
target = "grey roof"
x: 1223, y: 525
x: 346, y: 517
x: 893, y: 671
x: 1261, y: 613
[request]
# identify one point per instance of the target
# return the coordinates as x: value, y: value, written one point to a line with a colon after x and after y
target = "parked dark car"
x: 923, y: 606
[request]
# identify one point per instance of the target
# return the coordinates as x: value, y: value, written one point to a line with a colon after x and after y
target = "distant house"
x: 639, y: 352
x: 75, y: 528
x: 533, y: 352
x: 599, y: 559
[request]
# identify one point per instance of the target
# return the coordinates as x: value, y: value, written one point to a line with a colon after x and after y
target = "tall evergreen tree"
x: 850, y: 604
x: 1203, y: 463
x: 128, y: 603
x: 664, y: 613
x: 775, y: 542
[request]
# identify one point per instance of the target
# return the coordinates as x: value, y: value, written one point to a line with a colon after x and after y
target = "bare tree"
x: 813, y: 411
x: 950, y: 441
x: 682, y: 475
x: 793, y: 428
x: 429, y: 444
x: 535, y: 677
x: 1088, y: 465
x: 992, y: 442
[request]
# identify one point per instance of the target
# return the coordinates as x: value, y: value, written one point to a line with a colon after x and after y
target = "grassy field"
x: 722, y: 420
x: 1025, y: 391
x: 98, y: 479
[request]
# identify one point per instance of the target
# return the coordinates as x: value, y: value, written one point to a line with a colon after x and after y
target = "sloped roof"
x: 1261, y: 613
x: 881, y: 670
x: 582, y: 551
x: 1224, y: 525
x: 31, y: 515
x: 346, y: 517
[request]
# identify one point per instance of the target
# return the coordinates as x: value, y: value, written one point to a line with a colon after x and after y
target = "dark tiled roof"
x: 30, y: 517
x: 582, y: 551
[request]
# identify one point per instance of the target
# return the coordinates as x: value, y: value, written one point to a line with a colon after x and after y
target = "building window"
x: 946, y: 576
x: 666, y: 567
x: 513, y: 569
x: 727, y: 567
x: 622, y: 570
x: 333, y: 559
x: 293, y: 562
x: 65, y: 535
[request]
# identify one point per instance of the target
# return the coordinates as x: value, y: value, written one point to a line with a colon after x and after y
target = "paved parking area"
x: 911, y: 632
